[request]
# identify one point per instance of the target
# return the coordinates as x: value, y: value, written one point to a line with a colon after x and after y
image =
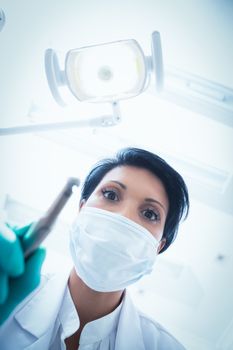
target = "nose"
x: 128, y: 212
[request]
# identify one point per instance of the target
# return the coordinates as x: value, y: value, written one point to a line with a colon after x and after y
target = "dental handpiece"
x: 40, y: 229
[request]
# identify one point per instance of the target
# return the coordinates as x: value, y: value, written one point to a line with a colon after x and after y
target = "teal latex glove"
x: 18, y: 277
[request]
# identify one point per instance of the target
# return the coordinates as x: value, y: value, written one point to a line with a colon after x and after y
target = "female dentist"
x: 130, y: 209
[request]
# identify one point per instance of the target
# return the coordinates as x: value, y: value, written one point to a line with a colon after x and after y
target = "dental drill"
x: 40, y: 229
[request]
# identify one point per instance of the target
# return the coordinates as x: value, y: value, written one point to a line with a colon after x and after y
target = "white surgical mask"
x: 110, y: 251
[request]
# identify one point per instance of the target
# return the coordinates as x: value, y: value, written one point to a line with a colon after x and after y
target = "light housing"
x: 106, y: 72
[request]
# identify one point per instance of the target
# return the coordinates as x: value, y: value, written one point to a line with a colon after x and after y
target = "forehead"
x: 132, y: 174
x: 138, y: 180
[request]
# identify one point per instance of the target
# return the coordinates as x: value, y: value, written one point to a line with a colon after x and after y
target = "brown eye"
x: 151, y: 215
x: 110, y: 195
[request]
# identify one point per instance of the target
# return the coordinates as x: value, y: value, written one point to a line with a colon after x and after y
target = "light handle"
x: 55, y: 76
x: 157, y: 60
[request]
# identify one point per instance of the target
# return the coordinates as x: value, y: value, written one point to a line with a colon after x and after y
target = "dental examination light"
x: 41, y: 228
x: 120, y: 70
x: 108, y: 72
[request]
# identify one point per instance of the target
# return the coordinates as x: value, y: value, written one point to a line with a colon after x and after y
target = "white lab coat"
x: 31, y: 325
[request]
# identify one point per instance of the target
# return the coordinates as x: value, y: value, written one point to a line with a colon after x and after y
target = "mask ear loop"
x: 55, y: 76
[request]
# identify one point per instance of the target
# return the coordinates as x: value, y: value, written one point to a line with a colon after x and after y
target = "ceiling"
x: 190, y: 291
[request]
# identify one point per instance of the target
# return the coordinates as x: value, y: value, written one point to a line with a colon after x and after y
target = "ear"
x: 161, y: 245
x: 81, y: 204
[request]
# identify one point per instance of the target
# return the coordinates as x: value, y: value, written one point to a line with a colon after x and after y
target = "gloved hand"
x: 18, y: 277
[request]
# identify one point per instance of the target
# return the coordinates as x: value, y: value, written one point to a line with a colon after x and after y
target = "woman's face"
x: 136, y: 194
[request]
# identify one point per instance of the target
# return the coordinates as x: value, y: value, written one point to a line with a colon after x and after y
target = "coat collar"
x: 129, y: 333
x: 45, y: 306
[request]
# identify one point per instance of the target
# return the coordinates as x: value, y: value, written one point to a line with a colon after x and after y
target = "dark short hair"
x: 173, y: 183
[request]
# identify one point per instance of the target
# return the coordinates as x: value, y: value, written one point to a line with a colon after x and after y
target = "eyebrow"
x: 150, y: 200
x: 155, y: 201
x: 120, y: 184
